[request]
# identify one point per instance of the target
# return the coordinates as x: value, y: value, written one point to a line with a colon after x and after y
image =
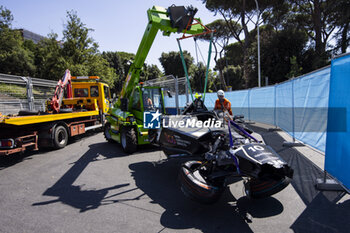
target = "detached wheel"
x: 264, y: 188
x: 60, y: 137
x: 128, y: 140
x: 107, y: 132
x: 195, y: 186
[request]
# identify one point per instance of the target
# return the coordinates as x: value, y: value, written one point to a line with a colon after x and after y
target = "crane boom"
x: 175, y: 19
x: 63, y: 84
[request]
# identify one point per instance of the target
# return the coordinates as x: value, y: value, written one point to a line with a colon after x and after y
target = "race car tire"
x: 128, y: 140
x: 196, y: 187
x: 257, y: 189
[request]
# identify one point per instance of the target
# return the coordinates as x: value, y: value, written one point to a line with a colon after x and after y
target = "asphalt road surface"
x: 92, y: 186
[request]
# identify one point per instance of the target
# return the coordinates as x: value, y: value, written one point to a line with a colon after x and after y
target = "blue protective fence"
x: 337, y: 161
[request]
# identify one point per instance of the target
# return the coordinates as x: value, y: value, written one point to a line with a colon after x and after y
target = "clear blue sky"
x: 118, y: 25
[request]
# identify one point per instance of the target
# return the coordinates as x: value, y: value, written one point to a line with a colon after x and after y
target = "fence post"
x: 275, y: 106
x: 29, y: 89
x: 30, y: 95
x: 177, y: 96
x: 294, y: 143
x: 249, y: 104
x: 186, y: 90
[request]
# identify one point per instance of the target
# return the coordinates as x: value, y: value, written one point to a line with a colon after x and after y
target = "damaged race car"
x: 226, y: 148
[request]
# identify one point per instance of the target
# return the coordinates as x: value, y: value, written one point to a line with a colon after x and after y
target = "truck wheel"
x: 128, y: 140
x: 256, y: 189
x: 195, y: 186
x: 60, y: 139
x: 107, y: 133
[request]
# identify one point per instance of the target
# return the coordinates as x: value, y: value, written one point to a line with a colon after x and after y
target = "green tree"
x: 78, y: 45
x: 80, y: 53
x: 237, y: 15
x: 341, y: 16
x: 233, y: 76
x: 126, y: 60
x: 281, y: 51
x: 14, y: 57
x: 6, y: 18
x: 315, y: 17
x: 153, y: 72
x: 172, y: 64
x: 49, y: 60
x: 197, y: 77
x: 220, y: 40
x: 115, y: 61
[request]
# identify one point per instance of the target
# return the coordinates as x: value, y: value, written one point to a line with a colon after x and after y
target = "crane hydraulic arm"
x: 59, y: 92
x: 175, y: 19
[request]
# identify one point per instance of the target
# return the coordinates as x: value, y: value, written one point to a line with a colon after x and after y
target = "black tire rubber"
x: 28, y: 113
x: 60, y: 137
x: 197, y: 188
x: 107, y: 133
x: 168, y: 152
x: 257, y: 189
x: 66, y: 110
x: 129, y: 135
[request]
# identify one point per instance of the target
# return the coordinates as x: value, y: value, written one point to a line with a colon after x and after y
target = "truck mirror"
x: 169, y: 94
x: 124, y: 104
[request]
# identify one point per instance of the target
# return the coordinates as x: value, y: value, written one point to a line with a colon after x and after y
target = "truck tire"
x: 60, y: 137
x: 128, y: 140
x: 197, y: 187
x: 107, y: 133
x: 257, y: 189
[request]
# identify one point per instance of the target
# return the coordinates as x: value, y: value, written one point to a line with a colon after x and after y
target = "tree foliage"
x: 14, y: 57
x: 295, y: 37
x: 172, y: 63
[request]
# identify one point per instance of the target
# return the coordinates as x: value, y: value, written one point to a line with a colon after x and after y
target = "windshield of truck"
x: 81, y: 92
x: 94, y: 91
x: 152, y: 100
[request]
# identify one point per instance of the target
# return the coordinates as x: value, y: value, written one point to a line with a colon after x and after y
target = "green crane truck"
x: 125, y: 121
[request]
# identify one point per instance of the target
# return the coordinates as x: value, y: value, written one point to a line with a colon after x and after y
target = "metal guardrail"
x: 24, y: 93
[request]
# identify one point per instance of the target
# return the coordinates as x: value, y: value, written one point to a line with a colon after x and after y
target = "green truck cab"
x: 128, y: 127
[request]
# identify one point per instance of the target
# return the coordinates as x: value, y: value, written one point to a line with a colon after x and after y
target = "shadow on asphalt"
x: 74, y: 196
x: 323, y: 213
x: 13, y: 159
x: 159, y: 182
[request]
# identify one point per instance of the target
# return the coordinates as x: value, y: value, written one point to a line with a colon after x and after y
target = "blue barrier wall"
x: 337, y: 161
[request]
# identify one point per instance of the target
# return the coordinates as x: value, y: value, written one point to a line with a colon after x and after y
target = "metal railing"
x: 24, y: 93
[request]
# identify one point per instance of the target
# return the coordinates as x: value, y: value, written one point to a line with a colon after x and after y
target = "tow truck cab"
x: 89, y: 88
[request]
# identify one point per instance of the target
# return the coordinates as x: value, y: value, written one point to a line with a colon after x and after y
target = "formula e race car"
x: 226, y: 147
